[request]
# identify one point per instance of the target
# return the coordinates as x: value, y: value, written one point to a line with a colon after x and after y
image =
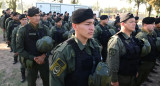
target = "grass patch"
x: 1, y: 31
x: 13, y: 80
x: 2, y: 73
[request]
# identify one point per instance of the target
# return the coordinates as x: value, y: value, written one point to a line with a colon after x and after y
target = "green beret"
x: 148, y: 20
x: 125, y: 16
x: 81, y: 15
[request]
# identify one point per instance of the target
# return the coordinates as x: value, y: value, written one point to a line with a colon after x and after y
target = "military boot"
x: 15, y: 59
x: 23, y: 75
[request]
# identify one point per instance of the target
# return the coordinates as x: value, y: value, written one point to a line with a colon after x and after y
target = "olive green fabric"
x: 28, y: 59
x: 143, y: 71
x: 98, y: 31
x: 115, y: 50
x: 127, y: 80
x: 145, y: 66
x: 101, y: 76
x: 45, y: 44
x: 66, y: 54
x: 20, y: 41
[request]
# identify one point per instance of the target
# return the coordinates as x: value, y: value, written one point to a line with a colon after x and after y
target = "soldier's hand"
x: 115, y: 83
x: 8, y: 42
x: 16, y: 54
x: 3, y: 29
x: 37, y: 60
x: 40, y: 59
x: 137, y: 74
x: 43, y: 56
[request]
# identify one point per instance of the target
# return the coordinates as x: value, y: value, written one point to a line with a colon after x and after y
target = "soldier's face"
x: 16, y: 17
x: 85, y: 29
x: 106, y: 21
x: 150, y: 27
x: 34, y: 19
x: 136, y: 21
x: 158, y: 25
x: 59, y: 24
x: 62, y: 17
x: 45, y: 18
x: 23, y: 21
x: 8, y: 12
x: 130, y: 24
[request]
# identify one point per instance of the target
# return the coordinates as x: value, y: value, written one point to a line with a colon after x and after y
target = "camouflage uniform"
x: 26, y: 47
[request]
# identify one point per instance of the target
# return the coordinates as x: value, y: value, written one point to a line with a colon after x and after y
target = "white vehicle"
x: 58, y: 7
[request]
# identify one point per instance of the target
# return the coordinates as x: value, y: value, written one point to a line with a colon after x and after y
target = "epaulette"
x: 141, y: 34
x: 60, y: 47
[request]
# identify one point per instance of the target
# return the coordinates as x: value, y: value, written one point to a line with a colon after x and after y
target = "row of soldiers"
x: 12, y: 21
x: 129, y: 56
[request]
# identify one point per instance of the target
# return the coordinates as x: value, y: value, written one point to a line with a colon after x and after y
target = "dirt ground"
x: 10, y: 74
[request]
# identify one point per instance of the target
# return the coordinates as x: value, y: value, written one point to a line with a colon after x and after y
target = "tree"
x: 149, y: 9
x: 96, y: 7
x: 155, y: 4
x: 137, y: 3
x: 12, y: 4
x: 74, y: 1
x: 1, y: 4
x: 60, y: 1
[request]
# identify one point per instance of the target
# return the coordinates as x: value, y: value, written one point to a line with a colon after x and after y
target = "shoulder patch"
x: 58, y: 67
x: 112, y: 52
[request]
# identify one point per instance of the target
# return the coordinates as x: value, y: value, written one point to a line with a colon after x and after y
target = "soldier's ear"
x: 74, y: 26
x: 28, y: 17
x: 122, y: 23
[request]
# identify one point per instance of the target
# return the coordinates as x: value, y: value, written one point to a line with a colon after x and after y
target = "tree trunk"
x: 150, y: 10
x: 138, y: 3
x: 22, y: 6
x: 14, y: 5
x: 61, y: 1
x: 74, y: 1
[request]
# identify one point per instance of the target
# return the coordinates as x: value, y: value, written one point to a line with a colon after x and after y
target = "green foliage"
x: 1, y: 3
x: 155, y: 4
x: 74, y: 1
x: 96, y: 6
x: 12, y: 4
x: 137, y: 3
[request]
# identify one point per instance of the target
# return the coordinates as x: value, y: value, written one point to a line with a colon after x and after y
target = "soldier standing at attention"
x: 11, y: 25
x: 134, y: 33
x: 9, y: 19
x: 7, y: 15
x: 26, y: 46
x: 45, y: 21
x: 147, y: 61
x: 58, y: 32
x: 124, y: 53
x: 102, y: 34
x: 95, y: 20
x: 75, y: 59
x: 157, y: 26
x: 23, y: 21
